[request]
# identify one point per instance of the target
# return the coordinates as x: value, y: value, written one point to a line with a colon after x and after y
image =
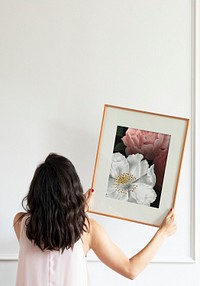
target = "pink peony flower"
x: 159, y: 168
x: 147, y: 143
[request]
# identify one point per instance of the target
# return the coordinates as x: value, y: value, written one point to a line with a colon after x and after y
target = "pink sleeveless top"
x: 50, y: 268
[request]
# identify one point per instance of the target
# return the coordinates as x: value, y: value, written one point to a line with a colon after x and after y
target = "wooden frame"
x: 137, y: 164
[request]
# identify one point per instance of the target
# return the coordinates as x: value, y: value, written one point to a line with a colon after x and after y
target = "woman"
x: 55, y: 234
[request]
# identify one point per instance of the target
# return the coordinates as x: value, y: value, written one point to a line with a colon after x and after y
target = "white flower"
x: 131, y: 179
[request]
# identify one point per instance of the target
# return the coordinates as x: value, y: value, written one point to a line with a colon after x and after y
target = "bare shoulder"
x: 17, y: 223
x: 98, y: 234
x: 89, y: 236
x: 93, y: 223
x: 18, y: 217
x: 96, y: 228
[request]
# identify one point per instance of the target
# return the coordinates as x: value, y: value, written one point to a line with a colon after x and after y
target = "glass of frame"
x: 137, y: 164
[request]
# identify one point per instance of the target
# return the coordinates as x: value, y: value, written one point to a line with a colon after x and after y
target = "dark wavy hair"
x: 55, y: 205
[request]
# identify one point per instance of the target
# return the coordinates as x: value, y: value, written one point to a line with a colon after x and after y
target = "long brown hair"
x: 55, y: 205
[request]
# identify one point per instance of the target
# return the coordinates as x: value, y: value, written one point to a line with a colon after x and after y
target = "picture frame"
x: 138, y: 163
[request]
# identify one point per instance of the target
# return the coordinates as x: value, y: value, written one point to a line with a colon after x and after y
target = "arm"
x: 114, y: 258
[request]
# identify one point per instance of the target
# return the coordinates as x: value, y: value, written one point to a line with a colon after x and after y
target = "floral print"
x: 147, y: 143
x: 131, y: 179
x: 138, y: 166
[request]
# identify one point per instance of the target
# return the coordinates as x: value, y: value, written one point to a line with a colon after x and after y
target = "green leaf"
x: 119, y: 147
x: 120, y: 131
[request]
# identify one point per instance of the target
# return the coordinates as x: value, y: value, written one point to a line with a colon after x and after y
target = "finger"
x: 170, y: 216
x: 171, y: 212
x: 88, y: 195
x: 90, y: 192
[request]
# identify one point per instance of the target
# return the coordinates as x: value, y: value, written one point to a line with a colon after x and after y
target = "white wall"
x: 60, y: 62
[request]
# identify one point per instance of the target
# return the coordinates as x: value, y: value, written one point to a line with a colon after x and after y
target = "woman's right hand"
x: 168, y: 226
x: 88, y: 197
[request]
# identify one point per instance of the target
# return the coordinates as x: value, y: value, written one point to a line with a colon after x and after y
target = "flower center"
x: 124, y: 183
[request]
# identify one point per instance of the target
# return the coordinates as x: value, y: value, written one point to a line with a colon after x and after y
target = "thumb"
x: 90, y: 193
x: 170, y: 214
x: 171, y: 211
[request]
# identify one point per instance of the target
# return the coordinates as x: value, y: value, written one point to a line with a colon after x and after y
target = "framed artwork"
x: 137, y: 164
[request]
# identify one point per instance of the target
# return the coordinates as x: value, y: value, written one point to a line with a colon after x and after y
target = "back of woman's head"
x: 55, y: 204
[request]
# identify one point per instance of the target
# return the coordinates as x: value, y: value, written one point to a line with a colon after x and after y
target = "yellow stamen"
x: 124, y: 183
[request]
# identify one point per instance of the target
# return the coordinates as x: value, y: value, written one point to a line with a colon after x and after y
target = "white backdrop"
x: 60, y: 62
